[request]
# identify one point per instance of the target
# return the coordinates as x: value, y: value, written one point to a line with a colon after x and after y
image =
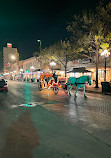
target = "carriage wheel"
x: 56, y: 90
x: 65, y: 88
x: 40, y: 86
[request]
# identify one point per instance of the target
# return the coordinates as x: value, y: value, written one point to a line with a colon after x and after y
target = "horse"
x: 79, y: 82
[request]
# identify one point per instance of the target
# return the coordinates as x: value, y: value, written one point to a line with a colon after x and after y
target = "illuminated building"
x: 10, y: 56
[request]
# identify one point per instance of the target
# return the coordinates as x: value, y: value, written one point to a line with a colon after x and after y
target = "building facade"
x: 91, y: 66
x: 10, y: 56
x: 30, y: 68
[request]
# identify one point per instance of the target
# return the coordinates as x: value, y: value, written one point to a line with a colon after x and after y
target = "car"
x: 3, y: 85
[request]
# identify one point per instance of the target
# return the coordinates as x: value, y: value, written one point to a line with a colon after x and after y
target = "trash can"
x: 110, y: 87
x: 105, y: 86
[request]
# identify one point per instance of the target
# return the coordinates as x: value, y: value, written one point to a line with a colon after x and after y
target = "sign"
x: 8, y: 64
x: 86, y: 61
x: 9, y: 45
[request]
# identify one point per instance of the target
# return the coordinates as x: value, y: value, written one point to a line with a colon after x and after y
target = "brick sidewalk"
x: 92, y: 89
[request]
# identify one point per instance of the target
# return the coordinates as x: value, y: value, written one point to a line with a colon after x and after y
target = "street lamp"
x: 40, y: 45
x: 106, y: 54
x: 40, y: 51
x: 21, y: 70
x: 52, y: 64
x: 32, y: 67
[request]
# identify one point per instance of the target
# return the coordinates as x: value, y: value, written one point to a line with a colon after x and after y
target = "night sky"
x: 23, y: 22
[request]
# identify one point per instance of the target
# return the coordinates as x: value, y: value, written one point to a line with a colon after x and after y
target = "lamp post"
x: 52, y: 64
x: 40, y: 44
x: 40, y: 51
x: 32, y: 68
x: 106, y: 54
x: 21, y: 72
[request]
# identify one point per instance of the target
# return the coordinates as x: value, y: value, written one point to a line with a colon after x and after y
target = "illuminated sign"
x: 9, y: 45
x: 86, y: 61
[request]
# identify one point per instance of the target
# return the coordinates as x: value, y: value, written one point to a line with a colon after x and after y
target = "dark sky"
x: 23, y: 22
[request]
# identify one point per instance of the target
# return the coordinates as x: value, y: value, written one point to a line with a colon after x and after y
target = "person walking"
x: 55, y: 76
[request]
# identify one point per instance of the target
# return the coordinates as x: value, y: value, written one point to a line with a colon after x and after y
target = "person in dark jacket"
x: 55, y: 76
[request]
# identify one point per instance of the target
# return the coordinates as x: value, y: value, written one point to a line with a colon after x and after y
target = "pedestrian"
x: 55, y: 76
x: 94, y: 81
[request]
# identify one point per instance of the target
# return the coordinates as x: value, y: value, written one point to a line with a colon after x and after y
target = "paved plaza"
x: 41, y: 124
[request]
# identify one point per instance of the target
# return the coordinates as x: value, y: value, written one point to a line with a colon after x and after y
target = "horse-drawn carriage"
x: 62, y: 83
x: 51, y: 84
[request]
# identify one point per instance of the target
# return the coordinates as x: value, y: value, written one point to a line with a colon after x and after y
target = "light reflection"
x: 28, y: 105
x: 27, y: 94
x: 32, y: 104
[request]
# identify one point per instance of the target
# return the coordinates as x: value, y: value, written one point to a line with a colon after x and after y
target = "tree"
x: 1, y: 62
x: 64, y: 53
x: 36, y: 54
x: 90, y: 32
x: 60, y: 52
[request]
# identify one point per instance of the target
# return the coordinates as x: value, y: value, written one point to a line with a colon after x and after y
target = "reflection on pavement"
x: 22, y: 137
x: 92, y: 114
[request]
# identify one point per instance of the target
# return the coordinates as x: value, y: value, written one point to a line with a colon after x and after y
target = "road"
x: 36, y: 124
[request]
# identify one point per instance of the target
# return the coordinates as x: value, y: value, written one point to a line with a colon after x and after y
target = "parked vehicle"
x: 3, y: 85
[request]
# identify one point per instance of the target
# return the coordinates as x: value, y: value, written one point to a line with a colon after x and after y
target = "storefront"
x: 77, y: 72
x: 101, y: 74
x: 31, y: 75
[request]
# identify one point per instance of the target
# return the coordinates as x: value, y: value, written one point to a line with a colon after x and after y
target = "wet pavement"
x: 36, y: 124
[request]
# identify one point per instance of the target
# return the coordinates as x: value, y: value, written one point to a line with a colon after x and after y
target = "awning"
x: 79, y: 70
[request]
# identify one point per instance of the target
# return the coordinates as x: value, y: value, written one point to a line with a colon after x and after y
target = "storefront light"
x: 6, y: 74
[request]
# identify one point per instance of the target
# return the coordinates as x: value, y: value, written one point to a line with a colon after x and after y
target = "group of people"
x: 49, y: 79
x: 46, y: 79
